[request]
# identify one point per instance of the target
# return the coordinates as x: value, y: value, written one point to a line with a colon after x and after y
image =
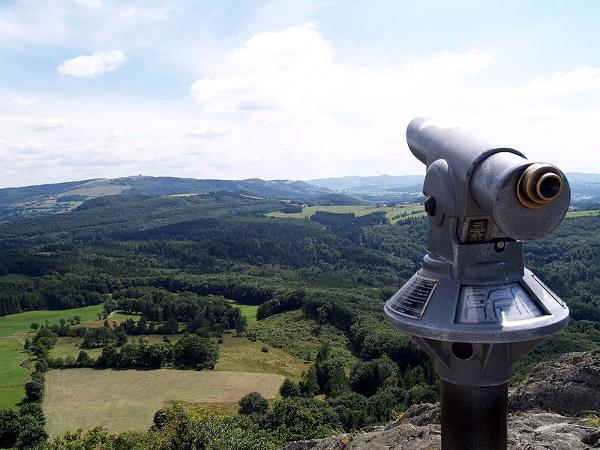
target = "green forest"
x: 178, y: 266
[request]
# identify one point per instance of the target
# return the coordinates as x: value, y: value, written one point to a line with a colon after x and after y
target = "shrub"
x: 253, y: 403
x: 301, y: 418
x: 289, y: 389
x: 351, y: 408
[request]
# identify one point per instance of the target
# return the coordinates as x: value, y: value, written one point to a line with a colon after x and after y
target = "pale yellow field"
x: 122, y: 400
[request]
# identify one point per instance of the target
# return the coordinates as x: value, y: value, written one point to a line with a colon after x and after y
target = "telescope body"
x: 473, y: 307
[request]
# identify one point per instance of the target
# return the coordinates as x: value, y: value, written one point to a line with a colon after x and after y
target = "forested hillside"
x: 178, y: 263
x: 44, y: 199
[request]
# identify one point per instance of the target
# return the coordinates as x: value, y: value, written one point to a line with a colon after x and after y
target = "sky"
x: 287, y: 89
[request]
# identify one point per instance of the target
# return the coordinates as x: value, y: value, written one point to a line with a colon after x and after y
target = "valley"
x: 125, y: 289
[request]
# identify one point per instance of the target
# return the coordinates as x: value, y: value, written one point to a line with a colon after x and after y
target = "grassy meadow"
x: 292, y: 333
x: 123, y: 400
x: 249, y: 311
x: 12, y: 355
x: 237, y: 353
x: 14, y: 278
x: 592, y: 212
x: 13, y: 358
x: 394, y: 214
x: 11, y: 396
x: 18, y: 324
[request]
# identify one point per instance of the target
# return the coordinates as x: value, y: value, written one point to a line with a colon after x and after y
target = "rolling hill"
x: 61, y: 197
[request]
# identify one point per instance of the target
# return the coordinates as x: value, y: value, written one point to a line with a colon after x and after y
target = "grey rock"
x: 532, y: 430
x: 569, y: 386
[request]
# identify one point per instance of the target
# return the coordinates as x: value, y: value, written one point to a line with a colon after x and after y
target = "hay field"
x: 122, y: 400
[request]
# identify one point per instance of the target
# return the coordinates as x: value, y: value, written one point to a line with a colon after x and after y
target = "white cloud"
x: 52, y: 123
x: 580, y: 79
x: 92, y: 65
x: 290, y: 98
x: 23, y: 102
x: 208, y: 132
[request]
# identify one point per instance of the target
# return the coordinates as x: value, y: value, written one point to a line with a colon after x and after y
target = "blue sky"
x: 287, y: 89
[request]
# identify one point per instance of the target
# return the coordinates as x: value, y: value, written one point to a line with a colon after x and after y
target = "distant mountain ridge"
x: 585, y: 187
x: 19, y: 202
x: 383, y: 182
x: 60, y: 197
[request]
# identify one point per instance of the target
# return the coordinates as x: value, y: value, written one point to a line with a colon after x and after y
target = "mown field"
x: 394, y: 214
x: 12, y: 373
x: 123, y: 400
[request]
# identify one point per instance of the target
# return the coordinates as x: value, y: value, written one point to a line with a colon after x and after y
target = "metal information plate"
x: 412, y: 300
x: 505, y: 305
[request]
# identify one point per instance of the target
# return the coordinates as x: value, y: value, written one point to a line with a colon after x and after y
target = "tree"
x: 253, y: 403
x: 32, y: 433
x: 351, y: 409
x: 108, y: 358
x: 289, y: 389
x: 309, y: 386
x: 131, y: 356
x: 83, y: 359
x: 34, y: 388
x: 156, y: 355
x: 10, y: 426
x: 367, y: 377
x: 121, y: 338
x: 301, y: 418
x: 195, y: 352
x: 385, y: 402
x: 338, y: 383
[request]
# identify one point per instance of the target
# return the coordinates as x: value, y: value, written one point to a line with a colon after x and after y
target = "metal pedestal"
x: 474, y: 417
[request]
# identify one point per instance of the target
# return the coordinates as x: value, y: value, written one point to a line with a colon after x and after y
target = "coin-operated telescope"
x: 473, y: 307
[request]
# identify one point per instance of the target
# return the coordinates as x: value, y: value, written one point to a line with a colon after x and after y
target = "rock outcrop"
x: 544, y: 414
x: 568, y: 386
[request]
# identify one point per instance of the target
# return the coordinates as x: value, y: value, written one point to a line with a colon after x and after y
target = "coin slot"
x: 462, y: 350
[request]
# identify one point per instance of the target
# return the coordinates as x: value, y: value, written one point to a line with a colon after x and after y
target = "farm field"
x: 249, y: 311
x: 11, y: 396
x: 12, y: 374
x: 14, y: 278
x: 391, y: 213
x: 593, y: 212
x: 292, y: 333
x: 123, y: 400
x: 12, y: 355
x: 237, y: 353
x: 20, y: 323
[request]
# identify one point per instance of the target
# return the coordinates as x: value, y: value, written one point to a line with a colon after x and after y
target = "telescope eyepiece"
x: 539, y: 185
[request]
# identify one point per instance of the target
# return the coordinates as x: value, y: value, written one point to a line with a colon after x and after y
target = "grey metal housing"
x: 473, y: 306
